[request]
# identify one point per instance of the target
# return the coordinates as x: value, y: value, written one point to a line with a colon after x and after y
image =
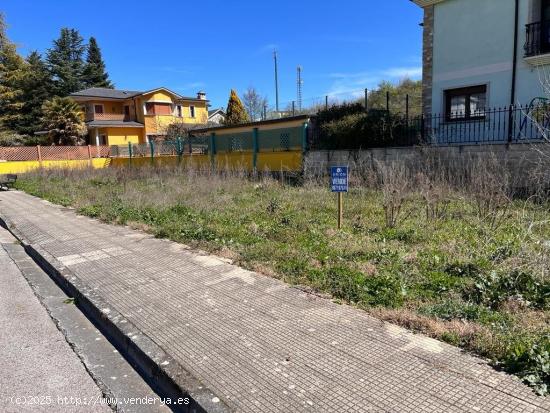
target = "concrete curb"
x: 159, y: 369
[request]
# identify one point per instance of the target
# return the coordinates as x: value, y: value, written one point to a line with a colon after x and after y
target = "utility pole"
x: 276, y: 81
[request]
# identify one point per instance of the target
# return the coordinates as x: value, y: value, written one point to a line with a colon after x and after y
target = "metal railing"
x: 514, y: 124
x: 537, y: 39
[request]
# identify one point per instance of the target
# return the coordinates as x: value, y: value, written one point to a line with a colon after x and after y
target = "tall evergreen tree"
x: 236, y: 113
x: 37, y: 88
x: 95, y: 73
x: 65, y: 62
x: 13, y: 70
x: 3, y: 30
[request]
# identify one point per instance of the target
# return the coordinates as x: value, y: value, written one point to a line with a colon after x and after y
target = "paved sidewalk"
x: 258, y: 344
x: 39, y: 372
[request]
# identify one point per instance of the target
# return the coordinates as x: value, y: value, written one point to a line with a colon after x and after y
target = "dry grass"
x: 434, y: 248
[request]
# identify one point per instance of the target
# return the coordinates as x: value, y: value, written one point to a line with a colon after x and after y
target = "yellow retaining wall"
x: 279, y: 161
x: 21, y: 167
x: 272, y: 161
x: 234, y: 160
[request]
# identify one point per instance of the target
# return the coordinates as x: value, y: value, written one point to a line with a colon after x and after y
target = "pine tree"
x: 64, y: 121
x: 65, y: 62
x: 3, y: 30
x: 37, y: 88
x: 95, y: 74
x: 236, y: 113
x: 13, y: 70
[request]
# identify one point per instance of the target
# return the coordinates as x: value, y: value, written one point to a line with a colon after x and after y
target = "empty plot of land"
x: 258, y: 344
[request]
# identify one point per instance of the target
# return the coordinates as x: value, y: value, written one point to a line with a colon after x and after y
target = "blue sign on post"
x: 339, y: 178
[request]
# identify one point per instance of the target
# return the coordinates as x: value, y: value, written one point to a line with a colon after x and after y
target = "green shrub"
x: 344, y: 283
x: 353, y: 286
x: 351, y: 129
x: 530, y: 360
x: 93, y: 211
x: 397, y: 234
x: 437, y: 282
x: 494, y: 288
x: 383, y: 290
x: 453, y: 310
x: 462, y: 269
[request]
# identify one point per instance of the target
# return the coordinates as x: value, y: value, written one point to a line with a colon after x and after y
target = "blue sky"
x: 343, y: 46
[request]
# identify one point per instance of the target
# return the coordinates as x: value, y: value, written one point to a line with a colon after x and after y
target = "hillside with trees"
x: 29, y: 84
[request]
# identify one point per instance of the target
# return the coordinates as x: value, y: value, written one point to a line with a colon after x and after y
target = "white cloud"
x: 270, y: 47
x: 173, y: 69
x: 352, y: 85
x: 193, y: 86
x: 403, y: 72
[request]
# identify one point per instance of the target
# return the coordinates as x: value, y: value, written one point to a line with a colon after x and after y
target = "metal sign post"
x: 339, y: 185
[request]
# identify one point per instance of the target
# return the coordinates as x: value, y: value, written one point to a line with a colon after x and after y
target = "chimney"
x: 201, y: 95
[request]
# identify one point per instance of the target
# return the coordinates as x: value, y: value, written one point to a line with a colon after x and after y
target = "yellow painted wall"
x: 197, y: 161
x: 158, y: 97
x: 201, y: 113
x: 279, y: 161
x: 110, y: 107
x: 234, y: 160
x: 272, y: 161
x: 158, y: 124
x: 272, y: 126
x: 21, y: 167
x: 123, y: 136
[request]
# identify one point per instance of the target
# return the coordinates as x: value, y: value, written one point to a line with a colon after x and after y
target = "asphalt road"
x: 39, y: 372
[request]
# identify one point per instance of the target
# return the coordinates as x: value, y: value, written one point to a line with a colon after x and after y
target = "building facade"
x: 216, y: 117
x: 480, y: 54
x: 120, y: 117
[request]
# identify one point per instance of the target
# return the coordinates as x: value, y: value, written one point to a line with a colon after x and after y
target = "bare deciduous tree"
x: 254, y: 103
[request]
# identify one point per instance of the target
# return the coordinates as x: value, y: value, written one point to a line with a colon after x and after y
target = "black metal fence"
x: 514, y: 124
x: 499, y: 125
x: 537, y: 38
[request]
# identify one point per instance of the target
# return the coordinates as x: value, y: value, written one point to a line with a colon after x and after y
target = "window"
x: 192, y: 111
x: 466, y: 103
x: 178, y: 111
x: 126, y: 111
x: 98, y: 108
x: 157, y: 108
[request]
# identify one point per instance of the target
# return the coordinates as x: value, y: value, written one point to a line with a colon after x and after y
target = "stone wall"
x: 524, y: 160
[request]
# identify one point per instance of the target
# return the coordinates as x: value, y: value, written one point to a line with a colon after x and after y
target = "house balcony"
x: 119, y: 117
x: 537, y: 43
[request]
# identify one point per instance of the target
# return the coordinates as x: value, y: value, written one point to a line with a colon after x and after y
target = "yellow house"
x: 119, y: 117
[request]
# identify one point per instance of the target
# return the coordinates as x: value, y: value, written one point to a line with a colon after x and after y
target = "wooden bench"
x: 7, y: 182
